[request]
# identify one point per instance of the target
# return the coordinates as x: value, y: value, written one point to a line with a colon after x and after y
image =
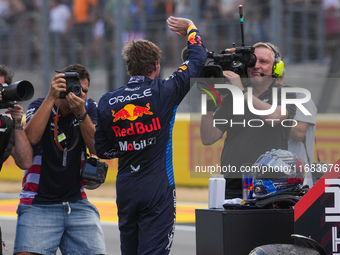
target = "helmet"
x: 277, y: 171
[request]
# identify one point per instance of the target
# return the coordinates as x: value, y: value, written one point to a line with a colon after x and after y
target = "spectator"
x: 84, y: 18
x: 18, y: 23
x: 229, y: 28
x: 182, y: 8
x: 60, y: 15
x: 257, y: 13
x: 4, y: 31
x: 303, y: 17
x: 332, y: 26
x: 136, y: 10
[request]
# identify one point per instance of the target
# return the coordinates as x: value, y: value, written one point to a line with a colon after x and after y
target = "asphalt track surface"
x: 184, y: 240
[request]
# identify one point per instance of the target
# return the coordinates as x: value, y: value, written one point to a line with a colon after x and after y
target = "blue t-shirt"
x: 51, y: 179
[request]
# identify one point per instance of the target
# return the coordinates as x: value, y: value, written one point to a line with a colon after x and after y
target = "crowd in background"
x: 83, y: 31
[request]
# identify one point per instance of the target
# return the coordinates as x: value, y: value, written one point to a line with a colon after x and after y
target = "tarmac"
x: 106, y: 207
x: 184, y: 240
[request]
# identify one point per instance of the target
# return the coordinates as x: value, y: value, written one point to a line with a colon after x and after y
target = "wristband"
x: 191, y: 28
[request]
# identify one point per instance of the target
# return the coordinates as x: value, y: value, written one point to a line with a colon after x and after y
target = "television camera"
x: 236, y: 59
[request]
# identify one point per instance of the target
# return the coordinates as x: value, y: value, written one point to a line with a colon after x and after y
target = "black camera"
x: 18, y: 91
x: 72, y: 84
x: 235, y: 59
x: 94, y: 172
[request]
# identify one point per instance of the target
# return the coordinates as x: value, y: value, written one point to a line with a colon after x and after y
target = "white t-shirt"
x: 59, y: 17
x: 298, y: 147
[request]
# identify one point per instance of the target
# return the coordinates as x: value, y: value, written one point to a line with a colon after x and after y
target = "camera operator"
x: 22, y: 151
x: 135, y: 124
x: 244, y: 143
x: 54, y: 211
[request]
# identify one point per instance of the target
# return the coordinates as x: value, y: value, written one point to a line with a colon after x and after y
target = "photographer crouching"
x: 244, y: 143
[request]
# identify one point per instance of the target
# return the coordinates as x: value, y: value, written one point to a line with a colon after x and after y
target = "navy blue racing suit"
x: 135, y: 124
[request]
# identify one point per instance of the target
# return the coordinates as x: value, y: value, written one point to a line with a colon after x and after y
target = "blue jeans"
x: 73, y: 227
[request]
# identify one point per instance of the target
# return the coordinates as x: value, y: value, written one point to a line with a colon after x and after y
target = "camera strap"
x: 64, y: 150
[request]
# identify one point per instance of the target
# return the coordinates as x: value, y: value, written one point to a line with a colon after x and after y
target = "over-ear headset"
x: 278, y: 66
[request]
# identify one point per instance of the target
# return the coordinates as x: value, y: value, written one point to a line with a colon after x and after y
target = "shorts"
x: 73, y: 227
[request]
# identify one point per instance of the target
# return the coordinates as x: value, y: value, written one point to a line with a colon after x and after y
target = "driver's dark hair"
x: 141, y: 57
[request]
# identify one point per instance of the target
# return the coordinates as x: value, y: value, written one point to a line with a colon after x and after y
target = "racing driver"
x: 135, y: 124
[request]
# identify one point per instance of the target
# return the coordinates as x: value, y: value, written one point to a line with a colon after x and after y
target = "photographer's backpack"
x: 6, y: 138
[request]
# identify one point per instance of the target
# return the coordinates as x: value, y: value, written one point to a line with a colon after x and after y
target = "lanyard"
x: 57, y: 141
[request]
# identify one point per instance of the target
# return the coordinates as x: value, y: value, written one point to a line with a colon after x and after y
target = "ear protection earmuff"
x: 278, y: 66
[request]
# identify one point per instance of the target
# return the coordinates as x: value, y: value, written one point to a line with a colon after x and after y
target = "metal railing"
x: 27, y: 45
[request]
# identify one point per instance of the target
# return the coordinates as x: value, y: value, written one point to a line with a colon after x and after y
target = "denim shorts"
x: 73, y: 227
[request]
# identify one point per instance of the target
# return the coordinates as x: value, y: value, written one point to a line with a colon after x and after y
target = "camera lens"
x: 19, y: 91
x: 76, y: 90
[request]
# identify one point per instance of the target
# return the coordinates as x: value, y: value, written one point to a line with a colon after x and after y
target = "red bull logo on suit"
x: 193, y: 38
x: 182, y: 68
x: 137, y: 128
x: 131, y: 112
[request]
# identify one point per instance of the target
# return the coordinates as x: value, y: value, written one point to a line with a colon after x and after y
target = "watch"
x: 81, y: 117
x: 245, y: 90
x: 20, y: 127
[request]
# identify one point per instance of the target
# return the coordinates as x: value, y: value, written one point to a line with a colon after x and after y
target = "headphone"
x: 278, y: 66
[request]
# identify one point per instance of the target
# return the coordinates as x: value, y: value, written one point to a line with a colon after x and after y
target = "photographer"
x: 54, y: 211
x: 20, y: 148
x: 245, y: 143
x: 135, y: 124
x: 22, y: 151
